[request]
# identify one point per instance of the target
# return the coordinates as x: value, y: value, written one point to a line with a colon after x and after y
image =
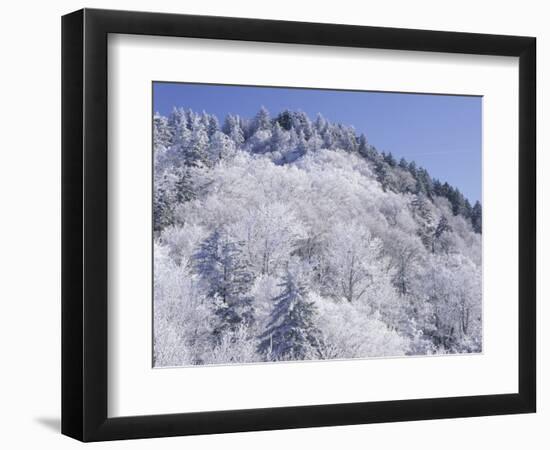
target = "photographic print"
x: 300, y: 224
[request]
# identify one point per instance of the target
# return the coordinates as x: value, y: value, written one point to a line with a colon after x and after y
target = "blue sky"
x: 440, y: 132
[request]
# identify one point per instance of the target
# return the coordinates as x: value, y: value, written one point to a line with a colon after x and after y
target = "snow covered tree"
x: 454, y: 287
x: 413, y: 169
x: 381, y: 171
x: 226, y: 280
x: 405, y: 252
x: 291, y: 333
x: 476, y: 217
x: 177, y: 123
x: 162, y: 137
x: 422, y: 209
x: 212, y: 124
x: 182, y: 319
x: 262, y: 121
x: 424, y: 183
x: 354, y: 255
x: 320, y: 124
x: 390, y: 160
x: 363, y: 146
x: 164, y: 199
x: 195, y: 153
x: 279, y: 139
x: 220, y: 147
x: 233, y: 129
x: 438, y: 241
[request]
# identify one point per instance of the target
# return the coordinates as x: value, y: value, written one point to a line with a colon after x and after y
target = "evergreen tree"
x: 232, y: 128
x: 447, y: 191
x: 320, y: 124
x: 363, y: 145
x: 212, y: 125
x: 372, y: 153
x: 438, y: 187
x: 427, y: 226
x: 290, y: 334
x: 403, y: 164
x: 227, y: 280
x: 390, y: 160
x: 220, y: 147
x: 442, y: 227
x: 162, y: 137
x: 467, y: 212
x: 285, y: 120
x: 476, y: 217
x: 183, y: 186
x: 262, y: 120
x: 412, y: 169
x: 279, y: 139
x: 163, y: 200
x: 306, y: 126
x: 424, y: 182
x: 192, y: 119
x: 302, y: 146
x: 348, y: 140
x: 381, y: 172
x: 328, y: 138
x: 178, y: 126
x: 457, y: 201
x: 196, y: 151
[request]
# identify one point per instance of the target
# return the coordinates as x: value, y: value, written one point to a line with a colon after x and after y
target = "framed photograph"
x: 273, y: 224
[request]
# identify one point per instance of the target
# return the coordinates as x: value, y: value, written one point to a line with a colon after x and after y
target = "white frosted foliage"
x: 279, y: 238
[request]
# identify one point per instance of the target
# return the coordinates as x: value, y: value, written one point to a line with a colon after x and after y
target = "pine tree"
x: 196, y: 151
x: 291, y: 333
x: 348, y: 140
x: 426, y: 222
x: 457, y: 201
x: 183, y: 186
x: 403, y: 164
x: 262, y: 120
x: 320, y: 124
x: 447, y: 191
x: 363, y: 145
x: 306, y: 126
x: 442, y: 227
x: 438, y: 187
x: 285, y: 120
x: 163, y: 200
x: 227, y: 280
x: 476, y: 217
x: 212, y: 125
x: 279, y: 139
x: 390, y: 160
x: 328, y: 137
x: 467, y: 212
x: 179, y: 129
x: 412, y: 169
x: 424, y: 183
x: 233, y: 129
x: 302, y: 146
x: 381, y: 172
x: 162, y: 137
x: 220, y: 147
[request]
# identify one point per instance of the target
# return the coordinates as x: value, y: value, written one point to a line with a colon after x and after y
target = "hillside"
x: 281, y: 238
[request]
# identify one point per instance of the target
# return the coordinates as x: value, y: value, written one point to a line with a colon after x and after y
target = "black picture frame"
x: 84, y: 224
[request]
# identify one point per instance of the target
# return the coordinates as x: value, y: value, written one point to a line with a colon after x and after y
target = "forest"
x: 283, y: 238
